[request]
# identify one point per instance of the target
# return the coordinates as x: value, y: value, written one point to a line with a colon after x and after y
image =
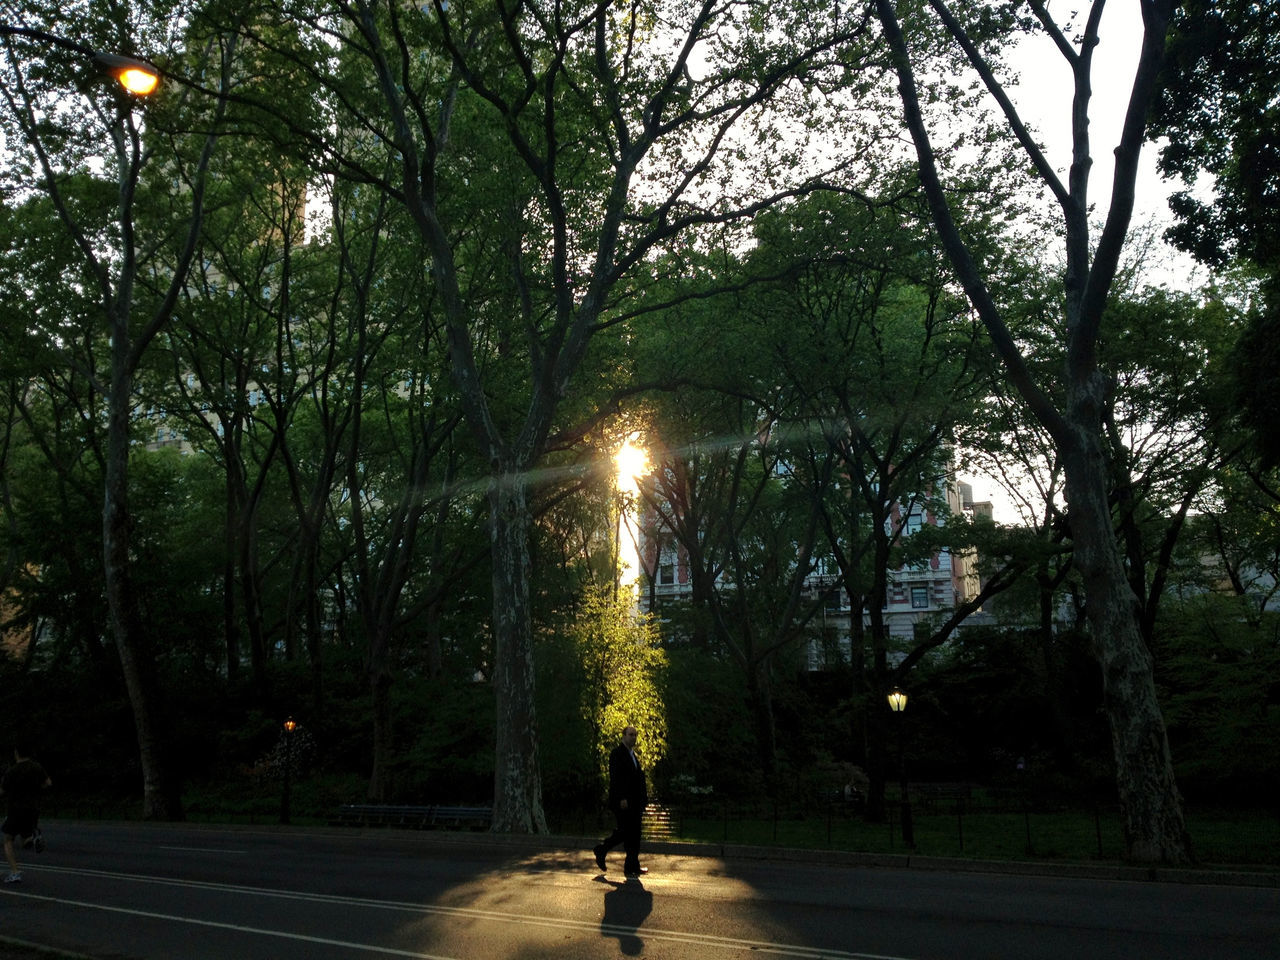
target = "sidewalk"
x: 1217, y: 874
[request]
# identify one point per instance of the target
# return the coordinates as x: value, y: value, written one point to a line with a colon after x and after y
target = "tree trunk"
x: 517, y: 779
x: 379, y: 776
x: 760, y: 701
x: 1155, y: 831
x: 877, y: 758
x: 160, y: 797
x: 230, y: 617
x: 251, y: 586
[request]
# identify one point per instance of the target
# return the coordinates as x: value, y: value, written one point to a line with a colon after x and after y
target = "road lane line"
x: 651, y: 933
x: 238, y: 853
x: 234, y: 927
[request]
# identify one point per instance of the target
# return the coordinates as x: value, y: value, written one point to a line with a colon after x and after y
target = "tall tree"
x: 111, y: 264
x: 1217, y: 116
x: 746, y: 539
x: 545, y: 153
x: 1155, y: 828
x: 884, y: 373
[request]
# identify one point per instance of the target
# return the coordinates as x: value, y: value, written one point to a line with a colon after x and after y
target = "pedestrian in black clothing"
x: 21, y: 785
x: 628, y: 797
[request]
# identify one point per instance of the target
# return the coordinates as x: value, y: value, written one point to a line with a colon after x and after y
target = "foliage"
x: 1217, y: 114
x: 604, y: 670
x: 1218, y: 666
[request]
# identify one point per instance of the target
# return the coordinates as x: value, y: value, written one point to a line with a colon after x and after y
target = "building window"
x: 666, y: 574
x: 919, y: 597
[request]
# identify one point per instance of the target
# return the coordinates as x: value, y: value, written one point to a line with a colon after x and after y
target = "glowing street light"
x: 290, y: 725
x: 897, y: 700
x: 898, y: 704
x: 136, y: 76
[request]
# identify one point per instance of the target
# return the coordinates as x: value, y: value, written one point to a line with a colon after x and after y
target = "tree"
x: 545, y: 156
x: 227, y: 372
x: 1155, y: 829
x: 111, y: 262
x: 624, y: 669
x: 747, y: 539
x: 884, y: 373
x: 1216, y: 114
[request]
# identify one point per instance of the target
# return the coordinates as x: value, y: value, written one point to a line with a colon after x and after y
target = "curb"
x: 1210, y: 874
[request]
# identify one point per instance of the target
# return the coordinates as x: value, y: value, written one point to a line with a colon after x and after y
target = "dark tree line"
x: 397, y: 280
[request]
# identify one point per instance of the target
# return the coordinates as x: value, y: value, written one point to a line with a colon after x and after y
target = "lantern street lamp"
x: 290, y: 725
x: 898, y: 704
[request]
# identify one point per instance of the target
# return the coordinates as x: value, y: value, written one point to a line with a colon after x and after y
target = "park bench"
x: 413, y: 817
x: 931, y: 795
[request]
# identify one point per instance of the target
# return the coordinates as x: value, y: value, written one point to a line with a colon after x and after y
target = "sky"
x: 1043, y: 98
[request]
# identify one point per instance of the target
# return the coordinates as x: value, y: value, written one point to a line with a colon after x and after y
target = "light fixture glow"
x: 138, y: 82
x: 136, y: 76
x: 897, y: 700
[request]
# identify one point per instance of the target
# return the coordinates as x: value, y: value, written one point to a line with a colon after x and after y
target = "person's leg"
x: 615, y: 838
x: 631, y: 841
x: 609, y: 842
x: 10, y: 855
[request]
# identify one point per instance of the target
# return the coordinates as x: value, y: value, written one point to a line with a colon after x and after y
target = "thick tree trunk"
x: 1155, y: 831
x: 517, y: 777
x: 160, y: 798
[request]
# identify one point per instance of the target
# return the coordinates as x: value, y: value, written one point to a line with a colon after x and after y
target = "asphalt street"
x: 146, y: 892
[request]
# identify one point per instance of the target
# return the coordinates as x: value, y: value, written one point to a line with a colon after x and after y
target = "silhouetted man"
x: 627, y: 799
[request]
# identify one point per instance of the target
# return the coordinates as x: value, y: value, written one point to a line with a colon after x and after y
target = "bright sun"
x: 631, y: 462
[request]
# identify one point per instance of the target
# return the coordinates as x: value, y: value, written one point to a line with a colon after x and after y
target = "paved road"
x: 148, y: 892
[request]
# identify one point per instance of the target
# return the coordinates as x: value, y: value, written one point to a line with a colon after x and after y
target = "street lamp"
x: 136, y: 76
x: 290, y: 725
x: 898, y: 704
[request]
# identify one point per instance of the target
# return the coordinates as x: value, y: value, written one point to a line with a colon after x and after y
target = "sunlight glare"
x: 631, y: 462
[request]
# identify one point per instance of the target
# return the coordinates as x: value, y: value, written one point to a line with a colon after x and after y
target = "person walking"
x: 628, y: 797
x: 21, y: 785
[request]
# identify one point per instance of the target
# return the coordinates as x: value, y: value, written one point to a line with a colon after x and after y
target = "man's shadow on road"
x: 626, y: 907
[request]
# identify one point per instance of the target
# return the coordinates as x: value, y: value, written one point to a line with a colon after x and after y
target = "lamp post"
x: 290, y: 725
x: 898, y: 704
x: 136, y: 76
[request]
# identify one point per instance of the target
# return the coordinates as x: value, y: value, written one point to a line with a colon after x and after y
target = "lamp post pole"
x: 898, y: 704
x: 138, y: 79
x: 290, y: 725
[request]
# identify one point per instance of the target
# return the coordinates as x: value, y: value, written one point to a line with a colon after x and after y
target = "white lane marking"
x: 205, y: 850
x: 642, y: 932
x: 238, y: 928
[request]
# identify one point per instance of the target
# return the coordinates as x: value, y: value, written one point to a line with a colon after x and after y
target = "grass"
x: 1250, y: 839
x: 976, y: 829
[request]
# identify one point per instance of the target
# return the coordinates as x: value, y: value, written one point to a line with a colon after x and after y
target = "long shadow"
x: 626, y: 907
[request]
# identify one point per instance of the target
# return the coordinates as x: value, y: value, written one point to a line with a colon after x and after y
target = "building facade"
x: 916, y: 592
